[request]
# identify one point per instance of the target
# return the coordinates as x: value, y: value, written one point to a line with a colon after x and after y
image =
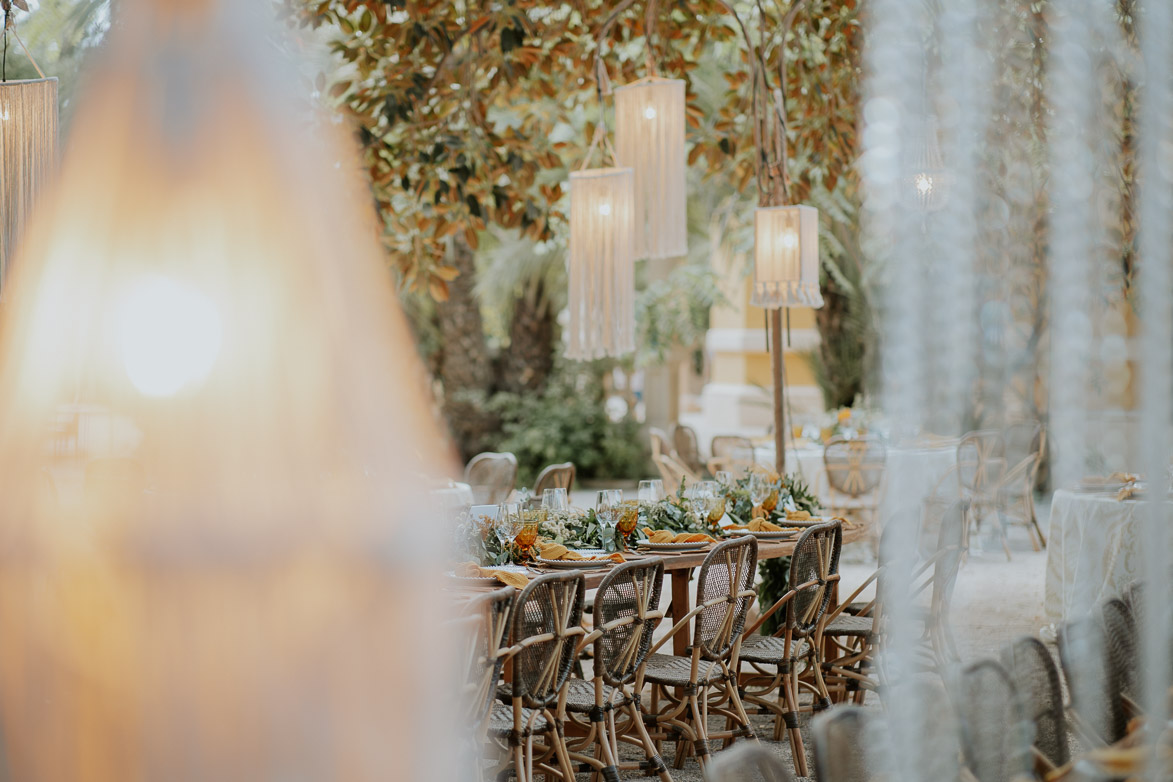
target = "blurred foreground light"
x: 215, y: 562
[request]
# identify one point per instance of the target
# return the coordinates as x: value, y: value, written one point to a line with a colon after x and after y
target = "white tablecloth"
x: 1094, y: 550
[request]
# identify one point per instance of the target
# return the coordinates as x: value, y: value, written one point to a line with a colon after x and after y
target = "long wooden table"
x: 679, y: 567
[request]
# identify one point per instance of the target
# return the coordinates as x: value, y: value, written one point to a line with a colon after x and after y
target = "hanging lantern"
x: 601, y: 263
x: 222, y: 570
x: 28, y: 151
x: 649, y: 137
x: 786, y: 257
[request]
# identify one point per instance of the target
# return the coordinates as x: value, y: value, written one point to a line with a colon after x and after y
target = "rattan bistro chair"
x: 981, y: 466
x: 544, y: 633
x: 688, y: 450
x: 776, y: 661
x: 1123, y: 649
x: 748, y: 763
x: 492, y: 477
x: 731, y: 452
x: 482, y: 634
x: 995, y: 733
x: 855, y: 475
x: 724, y: 593
x: 1097, y: 712
x: 606, y: 708
x: 556, y: 476
x: 1032, y: 669
x: 841, y: 738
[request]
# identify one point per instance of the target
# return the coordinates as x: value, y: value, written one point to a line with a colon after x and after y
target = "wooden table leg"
x: 679, y: 609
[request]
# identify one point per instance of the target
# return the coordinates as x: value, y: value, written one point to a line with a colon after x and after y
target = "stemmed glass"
x: 608, y: 511
x: 713, y: 499
x: 555, y: 500
x: 759, y: 488
x: 651, y: 492
x: 508, y: 523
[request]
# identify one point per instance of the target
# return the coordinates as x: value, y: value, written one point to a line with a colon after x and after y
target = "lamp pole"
x: 779, y: 410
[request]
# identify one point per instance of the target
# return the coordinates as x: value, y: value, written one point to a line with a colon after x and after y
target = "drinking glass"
x: 555, y: 500
x: 651, y: 491
x: 531, y: 520
x: 508, y: 523
x: 608, y: 511
x: 759, y: 488
x: 712, y: 500
x: 628, y: 517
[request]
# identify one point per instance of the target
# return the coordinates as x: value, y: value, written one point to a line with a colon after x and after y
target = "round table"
x: 914, y: 473
x: 1095, y: 548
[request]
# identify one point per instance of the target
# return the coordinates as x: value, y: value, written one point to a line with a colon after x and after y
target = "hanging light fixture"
x: 601, y: 263
x: 786, y: 257
x: 28, y: 153
x: 229, y: 578
x: 649, y: 137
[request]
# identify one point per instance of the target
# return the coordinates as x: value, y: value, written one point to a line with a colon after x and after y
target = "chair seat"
x: 501, y: 722
x: 771, y: 650
x: 667, y: 669
x: 580, y: 695
x: 846, y: 624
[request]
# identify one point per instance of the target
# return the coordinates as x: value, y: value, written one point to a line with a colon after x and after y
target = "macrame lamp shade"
x: 786, y: 257
x: 649, y: 137
x: 28, y: 154
x: 601, y: 263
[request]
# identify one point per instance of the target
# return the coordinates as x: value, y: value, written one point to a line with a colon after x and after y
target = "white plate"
x: 671, y: 546
x: 780, y: 535
x: 473, y: 580
x: 576, y: 564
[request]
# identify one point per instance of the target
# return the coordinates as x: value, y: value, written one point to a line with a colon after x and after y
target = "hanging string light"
x: 649, y: 137
x: 28, y: 144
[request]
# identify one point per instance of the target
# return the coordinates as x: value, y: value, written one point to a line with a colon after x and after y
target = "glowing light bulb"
x: 650, y: 112
x: 605, y: 209
x: 4, y: 114
x: 169, y: 335
x: 790, y: 240
x: 924, y: 184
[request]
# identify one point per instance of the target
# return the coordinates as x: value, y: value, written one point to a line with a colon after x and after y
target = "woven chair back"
x: 1032, y: 669
x: 659, y: 441
x: 1123, y: 645
x: 550, y: 608
x: 730, y: 446
x: 728, y: 571
x: 484, y: 636
x: 556, y: 476
x: 854, y: 467
x: 627, y: 612
x: 981, y: 460
x: 747, y: 763
x: 672, y: 472
x: 492, y: 477
x: 1023, y: 439
x: 814, y: 563
x: 687, y: 446
x: 995, y: 734
x: 1091, y: 680
x: 842, y: 738
x: 951, y: 549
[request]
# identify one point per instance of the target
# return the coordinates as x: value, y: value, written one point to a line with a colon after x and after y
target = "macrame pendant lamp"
x: 649, y: 137
x: 28, y: 146
x: 786, y: 257
x: 601, y: 263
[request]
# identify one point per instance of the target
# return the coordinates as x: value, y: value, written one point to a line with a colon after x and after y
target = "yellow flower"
x: 844, y: 414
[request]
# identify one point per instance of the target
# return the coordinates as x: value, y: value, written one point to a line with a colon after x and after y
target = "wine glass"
x: 759, y: 488
x: 508, y: 523
x: 608, y: 511
x: 651, y: 492
x: 555, y: 500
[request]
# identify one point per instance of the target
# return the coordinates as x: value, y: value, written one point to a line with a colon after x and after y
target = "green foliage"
x: 567, y: 422
x: 775, y: 573
x: 674, y: 312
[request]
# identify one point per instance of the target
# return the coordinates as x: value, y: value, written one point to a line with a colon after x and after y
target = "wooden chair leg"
x: 796, y: 747
x: 650, y: 750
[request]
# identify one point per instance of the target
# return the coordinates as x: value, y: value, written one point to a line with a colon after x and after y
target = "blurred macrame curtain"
x: 28, y: 148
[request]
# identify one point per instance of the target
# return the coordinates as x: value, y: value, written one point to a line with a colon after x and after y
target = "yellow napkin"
x: 506, y: 577
x: 558, y: 551
x: 798, y: 515
x: 665, y: 536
